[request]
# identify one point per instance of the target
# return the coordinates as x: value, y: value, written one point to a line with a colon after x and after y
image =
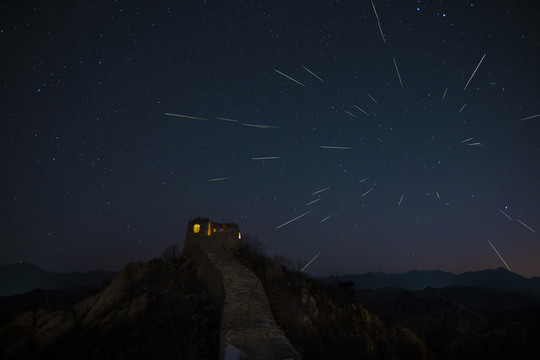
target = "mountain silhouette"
x: 160, y: 309
x: 20, y: 278
x: 418, y: 280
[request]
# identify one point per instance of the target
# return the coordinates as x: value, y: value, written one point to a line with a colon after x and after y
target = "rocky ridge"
x: 247, y: 323
x: 327, y: 322
x: 149, y: 311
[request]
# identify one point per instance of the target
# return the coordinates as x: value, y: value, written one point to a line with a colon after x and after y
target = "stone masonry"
x: 248, y: 328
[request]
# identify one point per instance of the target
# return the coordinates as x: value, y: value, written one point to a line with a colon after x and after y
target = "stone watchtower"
x: 204, y: 231
x: 248, y: 329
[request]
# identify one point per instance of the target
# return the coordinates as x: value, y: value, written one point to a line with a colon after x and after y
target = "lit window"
x: 196, y: 228
x: 239, y: 236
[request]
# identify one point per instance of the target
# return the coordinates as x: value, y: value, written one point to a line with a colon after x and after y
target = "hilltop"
x: 159, y: 309
x: 150, y: 310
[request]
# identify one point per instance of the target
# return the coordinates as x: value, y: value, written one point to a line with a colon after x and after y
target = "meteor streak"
x: 367, y: 192
x: 186, y: 116
x: 400, y: 200
x: 375, y: 101
x: 526, y: 225
x: 469, y: 139
x: 444, y: 95
x: 395, y: 65
x: 219, y: 179
x: 312, y: 73
x: 361, y: 110
x: 316, y: 256
x: 350, y: 113
x: 474, y: 72
x: 260, y: 126
x: 296, y: 218
x: 506, y: 215
x: 266, y: 158
x: 336, y: 147
x: 463, y: 107
x: 499, y: 255
x: 314, y: 201
x: 378, y: 22
x: 320, y: 191
x: 326, y: 218
x: 529, y: 117
x: 288, y: 77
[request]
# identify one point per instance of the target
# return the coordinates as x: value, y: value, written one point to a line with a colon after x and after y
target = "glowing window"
x: 196, y: 228
x: 209, y: 230
x: 240, y: 236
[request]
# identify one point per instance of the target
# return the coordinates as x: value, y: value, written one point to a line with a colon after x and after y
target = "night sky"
x: 434, y: 168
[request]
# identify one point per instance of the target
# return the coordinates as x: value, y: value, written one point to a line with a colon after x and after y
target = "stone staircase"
x: 248, y: 328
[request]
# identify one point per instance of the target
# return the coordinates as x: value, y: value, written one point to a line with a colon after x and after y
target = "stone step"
x: 247, y: 323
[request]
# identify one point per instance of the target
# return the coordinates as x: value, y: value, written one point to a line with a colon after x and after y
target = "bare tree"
x: 284, y: 262
x: 171, y: 254
x: 252, y: 244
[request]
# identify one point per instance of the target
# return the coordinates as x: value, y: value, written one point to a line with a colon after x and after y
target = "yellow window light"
x: 196, y: 228
x: 239, y: 236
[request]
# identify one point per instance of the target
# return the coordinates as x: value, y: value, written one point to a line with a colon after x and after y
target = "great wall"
x: 248, y: 329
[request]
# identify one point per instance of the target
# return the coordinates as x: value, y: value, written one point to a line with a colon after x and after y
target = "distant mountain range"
x: 464, y: 322
x: 419, y: 280
x: 144, y: 311
x: 21, y: 278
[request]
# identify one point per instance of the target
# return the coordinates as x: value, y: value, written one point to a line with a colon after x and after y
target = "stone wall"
x: 248, y: 328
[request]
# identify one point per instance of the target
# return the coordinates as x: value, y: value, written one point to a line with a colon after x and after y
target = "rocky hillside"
x: 326, y: 322
x: 464, y: 322
x: 149, y: 311
x: 158, y: 311
x: 57, y: 299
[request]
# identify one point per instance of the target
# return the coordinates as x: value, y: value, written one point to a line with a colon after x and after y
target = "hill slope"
x: 157, y: 310
x: 149, y: 311
x: 464, y: 322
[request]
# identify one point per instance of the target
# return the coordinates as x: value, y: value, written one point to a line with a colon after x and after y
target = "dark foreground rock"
x: 464, y: 322
x: 149, y: 311
x: 328, y: 322
x: 156, y: 310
